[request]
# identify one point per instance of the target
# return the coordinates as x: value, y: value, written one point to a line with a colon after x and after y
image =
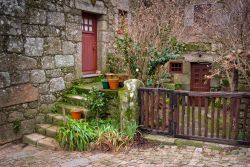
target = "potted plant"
x: 76, y: 114
x: 113, y: 83
x: 105, y: 84
x: 109, y: 76
x: 122, y: 78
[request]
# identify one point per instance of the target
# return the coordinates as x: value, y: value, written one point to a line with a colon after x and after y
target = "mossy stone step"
x: 47, y: 129
x: 55, y: 119
x: 69, y: 108
x: 41, y: 141
x: 98, y: 85
x: 73, y: 99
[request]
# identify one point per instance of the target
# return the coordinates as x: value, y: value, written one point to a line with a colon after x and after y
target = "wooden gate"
x: 156, y: 109
x: 225, y: 117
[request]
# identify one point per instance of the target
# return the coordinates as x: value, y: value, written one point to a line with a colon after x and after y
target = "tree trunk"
x: 235, y: 80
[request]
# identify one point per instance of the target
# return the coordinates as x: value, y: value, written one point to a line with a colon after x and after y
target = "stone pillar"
x: 128, y: 102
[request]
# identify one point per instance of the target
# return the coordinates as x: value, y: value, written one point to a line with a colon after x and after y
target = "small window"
x: 175, y: 67
x: 122, y: 21
x: 87, y: 25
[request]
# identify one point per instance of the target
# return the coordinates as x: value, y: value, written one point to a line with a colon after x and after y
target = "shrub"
x: 96, y: 103
x: 76, y: 135
x: 109, y: 138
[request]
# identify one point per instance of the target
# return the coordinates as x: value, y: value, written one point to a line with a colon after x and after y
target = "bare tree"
x: 233, y: 34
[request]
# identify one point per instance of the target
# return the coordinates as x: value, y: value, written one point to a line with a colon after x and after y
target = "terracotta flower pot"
x: 123, y: 77
x: 109, y: 76
x: 113, y: 84
x: 76, y: 114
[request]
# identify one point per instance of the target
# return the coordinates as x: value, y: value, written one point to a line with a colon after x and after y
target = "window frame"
x: 176, y: 71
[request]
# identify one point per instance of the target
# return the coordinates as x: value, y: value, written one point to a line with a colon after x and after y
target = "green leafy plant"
x: 74, y: 91
x: 109, y: 138
x: 16, y: 126
x: 76, y: 135
x: 96, y: 103
x: 131, y: 129
x: 55, y: 108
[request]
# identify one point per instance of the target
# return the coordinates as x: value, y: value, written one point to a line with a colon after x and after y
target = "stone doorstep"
x: 73, y: 98
x: 33, y: 138
x: 49, y: 143
x: 41, y: 128
x: 76, y: 97
x: 52, y: 131
x: 55, y: 119
x: 58, y: 120
x: 68, y: 108
x: 47, y: 129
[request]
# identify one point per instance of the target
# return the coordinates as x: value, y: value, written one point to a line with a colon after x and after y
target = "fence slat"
x: 188, y: 114
x: 205, y: 117
x: 212, y: 117
x: 164, y: 121
x: 193, y: 116
x: 171, y: 120
x: 177, y: 115
x: 141, y: 105
x: 245, y: 118
x: 224, y: 121
x: 218, y: 119
x: 237, y: 113
x: 231, y: 118
x: 152, y: 109
x: 146, y: 107
x: 199, y: 116
x: 182, y: 114
x: 156, y: 105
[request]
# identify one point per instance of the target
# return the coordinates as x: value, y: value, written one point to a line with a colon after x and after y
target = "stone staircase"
x: 45, y: 134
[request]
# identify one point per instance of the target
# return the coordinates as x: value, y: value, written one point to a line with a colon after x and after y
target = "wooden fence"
x: 208, y: 116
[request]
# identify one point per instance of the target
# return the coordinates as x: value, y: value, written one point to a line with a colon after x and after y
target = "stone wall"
x: 41, y: 54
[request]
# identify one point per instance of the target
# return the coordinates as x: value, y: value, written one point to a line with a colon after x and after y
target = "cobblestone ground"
x: 23, y: 155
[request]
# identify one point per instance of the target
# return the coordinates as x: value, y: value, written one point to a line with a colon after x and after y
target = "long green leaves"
x: 104, y: 134
x: 76, y: 135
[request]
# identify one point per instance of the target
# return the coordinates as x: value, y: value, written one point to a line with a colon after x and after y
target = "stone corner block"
x: 64, y: 60
x: 4, y: 79
x: 38, y: 76
x: 18, y: 95
x: 56, y: 18
x: 56, y: 84
x: 34, y: 46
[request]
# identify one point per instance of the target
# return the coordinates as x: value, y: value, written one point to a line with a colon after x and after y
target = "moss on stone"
x: 192, y: 47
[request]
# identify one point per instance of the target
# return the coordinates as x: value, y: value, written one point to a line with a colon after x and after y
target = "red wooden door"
x: 198, y: 81
x: 89, y: 54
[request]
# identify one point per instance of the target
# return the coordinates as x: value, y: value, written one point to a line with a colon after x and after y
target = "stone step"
x: 74, y: 99
x: 47, y: 130
x: 41, y: 141
x: 55, y: 119
x: 98, y: 85
x: 69, y: 108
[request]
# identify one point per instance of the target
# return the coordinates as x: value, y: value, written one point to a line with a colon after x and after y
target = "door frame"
x: 94, y: 27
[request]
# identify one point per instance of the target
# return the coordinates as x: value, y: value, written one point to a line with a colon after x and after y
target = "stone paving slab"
x: 32, y: 138
x: 49, y: 143
x: 155, y: 156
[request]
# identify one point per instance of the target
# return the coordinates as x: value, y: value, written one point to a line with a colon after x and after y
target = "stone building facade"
x: 41, y: 52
